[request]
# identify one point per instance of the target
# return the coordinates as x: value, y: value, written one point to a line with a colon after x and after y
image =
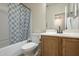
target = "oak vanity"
x: 53, y: 44
x: 61, y: 18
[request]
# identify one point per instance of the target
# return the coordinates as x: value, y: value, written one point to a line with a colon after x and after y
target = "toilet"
x: 29, y: 48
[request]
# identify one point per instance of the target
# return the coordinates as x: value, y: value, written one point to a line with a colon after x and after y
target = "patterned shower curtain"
x: 19, y: 22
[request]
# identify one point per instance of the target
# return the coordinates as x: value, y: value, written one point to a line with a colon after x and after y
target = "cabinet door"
x: 49, y: 46
x: 71, y: 47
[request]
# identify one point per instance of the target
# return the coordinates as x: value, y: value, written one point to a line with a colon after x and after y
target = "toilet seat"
x: 29, y: 46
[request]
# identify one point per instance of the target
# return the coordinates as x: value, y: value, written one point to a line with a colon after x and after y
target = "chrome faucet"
x: 59, y: 30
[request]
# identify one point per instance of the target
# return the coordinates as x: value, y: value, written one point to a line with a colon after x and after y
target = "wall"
x: 4, y: 31
x: 51, y: 10
x: 38, y: 16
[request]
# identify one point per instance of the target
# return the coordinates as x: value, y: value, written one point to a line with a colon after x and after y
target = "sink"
x: 51, y: 31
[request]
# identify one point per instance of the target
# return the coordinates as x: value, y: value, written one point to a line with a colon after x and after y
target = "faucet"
x: 59, y: 30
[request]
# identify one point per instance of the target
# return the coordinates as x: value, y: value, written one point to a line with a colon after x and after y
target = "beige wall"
x: 4, y: 31
x: 51, y: 10
x: 38, y: 16
x: 3, y: 21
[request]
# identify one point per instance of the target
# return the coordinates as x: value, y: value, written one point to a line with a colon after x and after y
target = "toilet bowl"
x: 28, y: 49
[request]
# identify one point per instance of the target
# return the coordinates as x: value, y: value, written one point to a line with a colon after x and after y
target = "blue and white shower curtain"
x: 19, y: 22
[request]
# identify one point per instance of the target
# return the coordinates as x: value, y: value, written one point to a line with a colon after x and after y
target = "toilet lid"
x: 29, y: 45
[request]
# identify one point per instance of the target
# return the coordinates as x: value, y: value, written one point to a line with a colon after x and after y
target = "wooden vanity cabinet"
x: 70, y: 47
x: 50, y: 46
x: 59, y: 46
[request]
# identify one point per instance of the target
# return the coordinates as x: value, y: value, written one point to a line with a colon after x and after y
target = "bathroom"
x: 39, y: 29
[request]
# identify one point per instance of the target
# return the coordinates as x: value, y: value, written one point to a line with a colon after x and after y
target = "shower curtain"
x: 19, y: 22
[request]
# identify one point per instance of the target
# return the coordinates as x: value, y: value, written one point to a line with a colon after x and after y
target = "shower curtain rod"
x: 25, y: 6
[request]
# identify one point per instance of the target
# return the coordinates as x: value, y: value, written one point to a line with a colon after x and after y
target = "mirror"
x: 62, y: 15
x: 53, y: 12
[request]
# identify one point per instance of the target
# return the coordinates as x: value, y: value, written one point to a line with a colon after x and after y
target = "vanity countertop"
x: 71, y: 35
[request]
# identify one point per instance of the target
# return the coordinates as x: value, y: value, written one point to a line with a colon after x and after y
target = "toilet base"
x: 29, y: 53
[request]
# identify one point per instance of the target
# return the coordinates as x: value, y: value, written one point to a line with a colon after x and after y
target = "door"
x: 70, y: 47
x: 50, y: 46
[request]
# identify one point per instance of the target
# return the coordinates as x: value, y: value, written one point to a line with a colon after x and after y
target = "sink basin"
x: 51, y: 31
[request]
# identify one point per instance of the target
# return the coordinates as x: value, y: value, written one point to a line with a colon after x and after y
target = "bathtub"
x: 12, y: 50
x: 15, y: 49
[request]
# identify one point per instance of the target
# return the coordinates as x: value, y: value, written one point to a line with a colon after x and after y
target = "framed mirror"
x: 64, y: 15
